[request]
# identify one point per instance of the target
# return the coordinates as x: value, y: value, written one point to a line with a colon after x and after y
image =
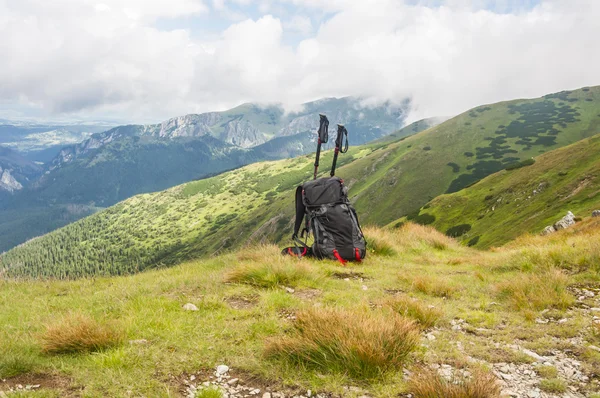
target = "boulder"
x: 548, y: 230
x: 565, y: 222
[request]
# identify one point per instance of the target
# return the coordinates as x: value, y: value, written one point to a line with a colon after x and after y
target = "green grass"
x: 553, y: 385
x: 387, y: 181
x: 328, y: 333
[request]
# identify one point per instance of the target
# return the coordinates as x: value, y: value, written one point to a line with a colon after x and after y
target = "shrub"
x: 360, y: 344
x: 522, y: 163
x: 473, y: 241
x: 270, y: 274
x: 469, y: 154
x: 79, y: 333
x: 426, y: 383
x: 410, y: 308
x: 427, y: 148
x: 455, y: 167
x: 458, y: 230
x: 553, y: 385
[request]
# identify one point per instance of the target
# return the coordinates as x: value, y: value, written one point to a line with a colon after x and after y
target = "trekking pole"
x: 323, y: 137
x: 338, y: 143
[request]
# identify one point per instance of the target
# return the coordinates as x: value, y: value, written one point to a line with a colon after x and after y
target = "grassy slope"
x: 498, y: 294
x: 387, y: 181
x: 511, y: 202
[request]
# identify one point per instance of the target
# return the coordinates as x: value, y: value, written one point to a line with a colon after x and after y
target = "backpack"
x: 324, y: 206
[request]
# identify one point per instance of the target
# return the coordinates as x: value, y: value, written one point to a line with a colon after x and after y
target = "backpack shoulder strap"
x: 300, y: 211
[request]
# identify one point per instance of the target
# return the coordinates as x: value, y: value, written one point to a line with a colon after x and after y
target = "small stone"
x: 309, y: 393
x: 533, y: 394
x: 430, y: 336
x: 595, y: 309
x: 138, y: 342
x: 192, y: 378
x: 289, y: 290
x: 506, y: 376
x: 255, y: 392
x: 593, y: 347
x: 505, y: 369
x: 233, y: 382
x: 563, y: 320
x: 364, y: 287
x: 190, y: 307
x: 266, y: 395
x: 222, y: 369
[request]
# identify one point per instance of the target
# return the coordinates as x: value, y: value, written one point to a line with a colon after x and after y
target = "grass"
x: 428, y: 384
x: 547, y: 371
x: 273, y: 335
x: 553, y: 385
x: 78, y: 333
x: 537, y: 291
x: 268, y: 269
x: 209, y: 393
x: 362, y: 344
x: 425, y: 316
x: 433, y: 287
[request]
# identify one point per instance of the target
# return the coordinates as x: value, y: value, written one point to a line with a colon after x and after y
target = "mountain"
x: 127, y: 160
x: 525, y: 199
x: 42, y: 142
x: 255, y: 203
x: 15, y: 171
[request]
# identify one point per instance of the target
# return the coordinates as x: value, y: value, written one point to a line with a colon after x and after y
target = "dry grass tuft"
x: 361, y: 344
x: 414, y: 235
x: 535, y: 292
x: 271, y: 274
x: 79, y: 333
x: 380, y: 242
x: 426, y: 383
x: 410, y: 308
x: 433, y: 287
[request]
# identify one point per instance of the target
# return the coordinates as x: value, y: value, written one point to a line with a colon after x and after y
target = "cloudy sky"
x: 148, y: 60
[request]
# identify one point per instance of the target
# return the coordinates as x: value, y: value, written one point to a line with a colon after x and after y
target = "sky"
x: 148, y: 60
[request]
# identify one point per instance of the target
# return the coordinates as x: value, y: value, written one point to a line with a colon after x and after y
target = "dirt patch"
x: 350, y: 275
x: 37, y: 381
x: 307, y: 294
x: 242, y: 302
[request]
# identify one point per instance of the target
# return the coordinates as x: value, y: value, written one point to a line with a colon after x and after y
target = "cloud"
x: 107, y: 57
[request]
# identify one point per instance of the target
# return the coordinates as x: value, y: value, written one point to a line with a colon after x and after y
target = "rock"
x: 533, y: 394
x: 233, y: 382
x: 190, y: 307
x: 289, y: 290
x: 593, y: 347
x: 430, y: 336
x: 595, y: 309
x: 548, y: 230
x: 563, y: 320
x: 138, y: 342
x: 267, y: 395
x: 222, y: 369
x: 596, y: 213
x: 364, y: 287
x: 565, y: 222
x: 534, y: 355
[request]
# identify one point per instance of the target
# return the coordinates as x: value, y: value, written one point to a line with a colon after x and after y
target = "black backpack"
x: 324, y: 206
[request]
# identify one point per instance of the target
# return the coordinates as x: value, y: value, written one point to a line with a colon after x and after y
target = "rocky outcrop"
x: 563, y: 223
x: 8, y: 182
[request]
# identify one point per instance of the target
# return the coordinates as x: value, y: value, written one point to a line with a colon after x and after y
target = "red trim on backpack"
x: 291, y: 252
x: 340, y: 259
x: 357, y: 254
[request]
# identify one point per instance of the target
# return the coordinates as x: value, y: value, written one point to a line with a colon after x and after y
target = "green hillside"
x: 386, y: 180
x: 508, y: 203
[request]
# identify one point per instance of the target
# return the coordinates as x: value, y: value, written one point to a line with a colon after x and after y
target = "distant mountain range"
x: 123, y: 161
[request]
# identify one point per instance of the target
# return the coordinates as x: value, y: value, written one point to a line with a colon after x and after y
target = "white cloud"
x: 107, y: 57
